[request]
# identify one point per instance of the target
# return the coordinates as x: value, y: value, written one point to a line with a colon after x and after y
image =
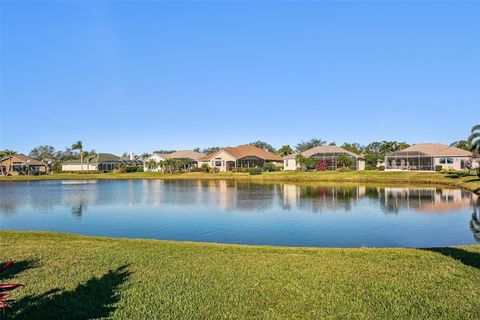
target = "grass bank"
x: 454, y: 179
x: 78, y: 277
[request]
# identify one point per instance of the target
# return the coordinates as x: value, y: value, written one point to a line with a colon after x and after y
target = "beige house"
x: 20, y: 164
x: 243, y: 156
x: 327, y: 156
x: 426, y: 156
x: 182, y: 154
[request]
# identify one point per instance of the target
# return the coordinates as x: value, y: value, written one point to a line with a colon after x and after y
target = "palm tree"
x: 474, y: 138
x: 151, y: 164
x: 9, y: 153
x: 89, y: 155
x: 79, y: 146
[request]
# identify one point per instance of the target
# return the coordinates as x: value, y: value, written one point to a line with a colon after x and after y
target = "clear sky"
x: 141, y: 76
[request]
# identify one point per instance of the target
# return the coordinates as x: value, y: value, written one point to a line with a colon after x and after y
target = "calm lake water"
x: 245, y: 213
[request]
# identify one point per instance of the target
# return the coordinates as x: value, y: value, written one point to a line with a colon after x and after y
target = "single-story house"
x: 425, y: 156
x: 191, y: 155
x: 101, y: 162
x: 20, y: 164
x: 243, y: 156
x: 327, y: 155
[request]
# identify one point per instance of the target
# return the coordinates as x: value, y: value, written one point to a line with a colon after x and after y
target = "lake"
x: 245, y: 213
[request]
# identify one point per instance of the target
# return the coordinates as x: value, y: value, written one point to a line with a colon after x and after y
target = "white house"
x: 327, y: 155
x: 182, y: 154
x: 426, y: 156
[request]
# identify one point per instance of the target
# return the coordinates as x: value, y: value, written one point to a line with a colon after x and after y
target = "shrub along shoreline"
x: 450, y: 179
x: 83, y: 277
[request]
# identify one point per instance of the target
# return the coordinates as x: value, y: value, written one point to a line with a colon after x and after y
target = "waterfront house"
x: 327, y: 155
x: 426, y: 156
x: 20, y: 164
x: 243, y: 156
x: 101, y: 162
x: 191, y: 155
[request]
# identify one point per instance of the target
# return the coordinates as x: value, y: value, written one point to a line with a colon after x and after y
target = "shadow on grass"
x: 468, y: 258
x: 18, y: 267
x: 91, y: 300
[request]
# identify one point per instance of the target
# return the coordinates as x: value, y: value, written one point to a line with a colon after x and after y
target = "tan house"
x: 243, y: 156
x: 326, y: 155
x: 426, y: 156
x: 181, y: 154
x: 20, y: 164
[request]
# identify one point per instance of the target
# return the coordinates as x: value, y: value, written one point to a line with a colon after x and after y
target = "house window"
x: 218, y: 162
x: 462, y: 164
x: 449, y: 160
x: 442, y: 160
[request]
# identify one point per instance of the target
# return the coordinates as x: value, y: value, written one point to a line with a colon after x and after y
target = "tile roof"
x: 437, y: 149
x: 182, y: 154
x: 328, y: 149
x: 245, y: 150
x: 101, y: 157
x: 23, y: 158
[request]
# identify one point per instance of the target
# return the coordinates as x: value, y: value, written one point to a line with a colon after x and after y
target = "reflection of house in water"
x: 321, y: 198
x: 425, y: 199
x: 232, y: 195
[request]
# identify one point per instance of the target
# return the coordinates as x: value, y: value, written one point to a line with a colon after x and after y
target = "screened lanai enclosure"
x: 330, y: 160
x: 409, y: 160
x: 109, y: 165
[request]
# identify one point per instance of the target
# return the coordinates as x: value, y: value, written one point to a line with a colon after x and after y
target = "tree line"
x: 372, y: 152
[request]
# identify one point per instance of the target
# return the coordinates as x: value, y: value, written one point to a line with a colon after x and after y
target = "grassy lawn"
x: 455, y: 179
x: 77, y: 277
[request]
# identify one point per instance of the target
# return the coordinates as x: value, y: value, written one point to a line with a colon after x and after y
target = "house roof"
x: 328, y: 149
x: 101, y: 157
x: 23, y: 158
x: 243, y: 151
x: 183, y: 154
x: 436, y: 149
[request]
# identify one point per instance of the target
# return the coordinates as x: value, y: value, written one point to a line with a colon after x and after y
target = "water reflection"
x: 231, y: 196
x: 475, y: 222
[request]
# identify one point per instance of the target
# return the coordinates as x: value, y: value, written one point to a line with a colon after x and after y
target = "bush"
x: 255, y: 171
x: 381, y: 168
x: 345, y: 169
x: 270, y: 167
x: 438, y: 168
x: 344, y: 161
x: 205, y: 167
x: 130, y: 169
x: 321, y: 165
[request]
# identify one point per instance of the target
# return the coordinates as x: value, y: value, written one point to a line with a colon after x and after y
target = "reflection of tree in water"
x: 77, y: 210
x: 475, y: 222
x: 7, y: 207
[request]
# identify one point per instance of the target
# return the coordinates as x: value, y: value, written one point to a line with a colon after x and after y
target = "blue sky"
x: 141, y: 76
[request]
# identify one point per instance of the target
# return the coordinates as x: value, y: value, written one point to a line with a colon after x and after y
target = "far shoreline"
x: 441, y: 179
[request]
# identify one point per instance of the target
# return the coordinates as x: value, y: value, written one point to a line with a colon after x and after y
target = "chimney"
x: 131, y: 156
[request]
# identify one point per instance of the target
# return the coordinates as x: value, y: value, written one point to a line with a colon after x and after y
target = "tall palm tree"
x: 9, y: 153
x: 79, y: 146
x: 89, y: 155
x: 474, y: 138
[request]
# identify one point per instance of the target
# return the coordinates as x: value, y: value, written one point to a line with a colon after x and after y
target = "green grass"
x: 454, y: 179
x: 77, y: 277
